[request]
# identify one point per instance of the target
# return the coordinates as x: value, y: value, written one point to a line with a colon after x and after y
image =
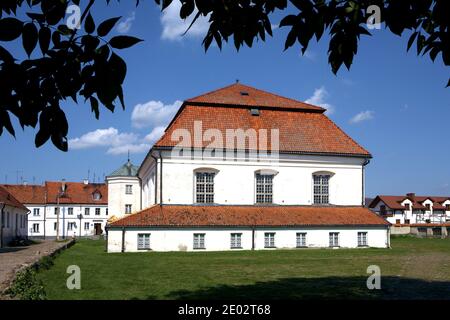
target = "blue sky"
x: 392, y: 102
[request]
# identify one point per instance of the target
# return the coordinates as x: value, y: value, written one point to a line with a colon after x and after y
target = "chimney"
x: 63, y: 186
x: 86, y: 181
x: 412, y: 196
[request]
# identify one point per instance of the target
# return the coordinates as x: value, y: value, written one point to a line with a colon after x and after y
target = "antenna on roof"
x: 237, y: 80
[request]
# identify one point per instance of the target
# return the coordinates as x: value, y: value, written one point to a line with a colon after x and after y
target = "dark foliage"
x: 82, y: 63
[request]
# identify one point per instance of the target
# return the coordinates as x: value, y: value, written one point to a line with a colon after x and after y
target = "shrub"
x: 27, y: 287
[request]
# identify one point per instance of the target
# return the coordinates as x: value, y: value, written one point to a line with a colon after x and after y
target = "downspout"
x: 1, y: 225
x: 363, y: 188
x: 253, y: 238
x: 107, y: 240
x: 123, y: 239
x: 161, y: 180
x: 156, y: 178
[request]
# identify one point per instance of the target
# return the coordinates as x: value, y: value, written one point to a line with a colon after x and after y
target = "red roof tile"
x: 77, y: 192
x: 195, y: 215
x: 299, y: 132
x: 8, y: 199
x: 27, y: 194
x: 241, y: 95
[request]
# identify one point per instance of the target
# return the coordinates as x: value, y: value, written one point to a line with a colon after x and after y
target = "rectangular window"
x: 362, y: 239
x: 204, y: 187
x: 70, y: 211
x: 199, y: 241
x: 71, y: 226
x: 334, y: 239
x: 36, y: 212
x: 321, y: 189
x: 264, y: 188
x: 143, y: 241
x: 54, y: 226
x: 128, y: 189
x: 407, y: 206
x: 86, y: 226
x: 87, y: 211
x: 397, y: 221
x: 127, y: 208
x: 269, y: 240
x: 407, y: 221
x: 236, y: 240
x: 56, y: 210
x: 36, y: 227
x: 97, y: 211
x: 301, y: 239
x: 106, y: 211
x: 447, y: 207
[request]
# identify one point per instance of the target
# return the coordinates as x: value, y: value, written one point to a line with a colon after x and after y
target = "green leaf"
x: 10, y: 29
x: 5, y: 55
x: 89, y: 24
x: 44, y: 39
x: 411, y: 40
x: 123, y: 42
x: 29, y: 38
x: 94, y: 107
x: 106, y: 26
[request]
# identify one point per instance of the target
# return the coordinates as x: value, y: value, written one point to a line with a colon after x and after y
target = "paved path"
x: 13, y: 259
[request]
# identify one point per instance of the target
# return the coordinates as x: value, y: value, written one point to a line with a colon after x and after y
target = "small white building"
x: 82, y: 208
x: 241, y: 168
x: 13, y: 218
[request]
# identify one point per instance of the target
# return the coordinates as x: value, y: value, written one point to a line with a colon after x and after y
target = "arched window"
x: 321, y: 187
x: 204, y: 185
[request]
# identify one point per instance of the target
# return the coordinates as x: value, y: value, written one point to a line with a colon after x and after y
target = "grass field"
x: 412, y: 269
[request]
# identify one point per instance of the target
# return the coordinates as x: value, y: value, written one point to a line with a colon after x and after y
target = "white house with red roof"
x: 13, y: 218
x: 82, y: 208
x: 422, y: 215
x: 240, y: 168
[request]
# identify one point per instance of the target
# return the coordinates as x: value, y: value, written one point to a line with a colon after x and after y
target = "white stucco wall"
x: 235, y: 181
x: 47, y: 219
x: 117, y: 197
x: 14, y: 223
x: 218, y: 239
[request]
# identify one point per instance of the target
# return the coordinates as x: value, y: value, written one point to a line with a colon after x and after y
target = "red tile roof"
x: 77, y: 192
x: 241, y: 95
x: 27, y: 194
x: 8, y: 199
x: 230, y: 215
x: 394, y: 202
x: 301, y: 128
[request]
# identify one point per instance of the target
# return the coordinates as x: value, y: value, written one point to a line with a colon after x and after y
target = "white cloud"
x: 125, y: 26
x: 102, y: 138
x: 153, y: 114
x: 156, y: 133
x: 362, y: 116
x: 310, y: 55
x: 174, y: 26
x: 318, y: 99
x: 112, y: 139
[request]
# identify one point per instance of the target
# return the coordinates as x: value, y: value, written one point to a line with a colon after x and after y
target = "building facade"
x: 240, y: 168
x: 80, y: 209
x: 13, y: 218
x: 421, y: 215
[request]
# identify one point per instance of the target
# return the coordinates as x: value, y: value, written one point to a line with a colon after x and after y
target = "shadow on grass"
x: 323, y: 288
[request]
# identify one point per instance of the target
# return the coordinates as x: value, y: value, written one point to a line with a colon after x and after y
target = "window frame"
x: 70, y: 211
x: 363, y: 239
x: 321, y: 195
x: 36, y: 212
x: 129, y: 189
x: 126, y: 208
x: 208, y: 196
x: 236, y: 240
x: 36, y: 230
x: 302, y: 242
x: 333, y: 239
x: 264, y: 184
x: 269, y: 240
x: 146, y: 237
x: 199, y: 241
x: 87, y: 211
x: 97, y: 210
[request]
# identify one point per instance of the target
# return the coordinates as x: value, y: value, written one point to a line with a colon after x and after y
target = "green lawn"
x: 414, y: 268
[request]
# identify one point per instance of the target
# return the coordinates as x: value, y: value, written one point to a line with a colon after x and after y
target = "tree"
x: 81, y: 62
